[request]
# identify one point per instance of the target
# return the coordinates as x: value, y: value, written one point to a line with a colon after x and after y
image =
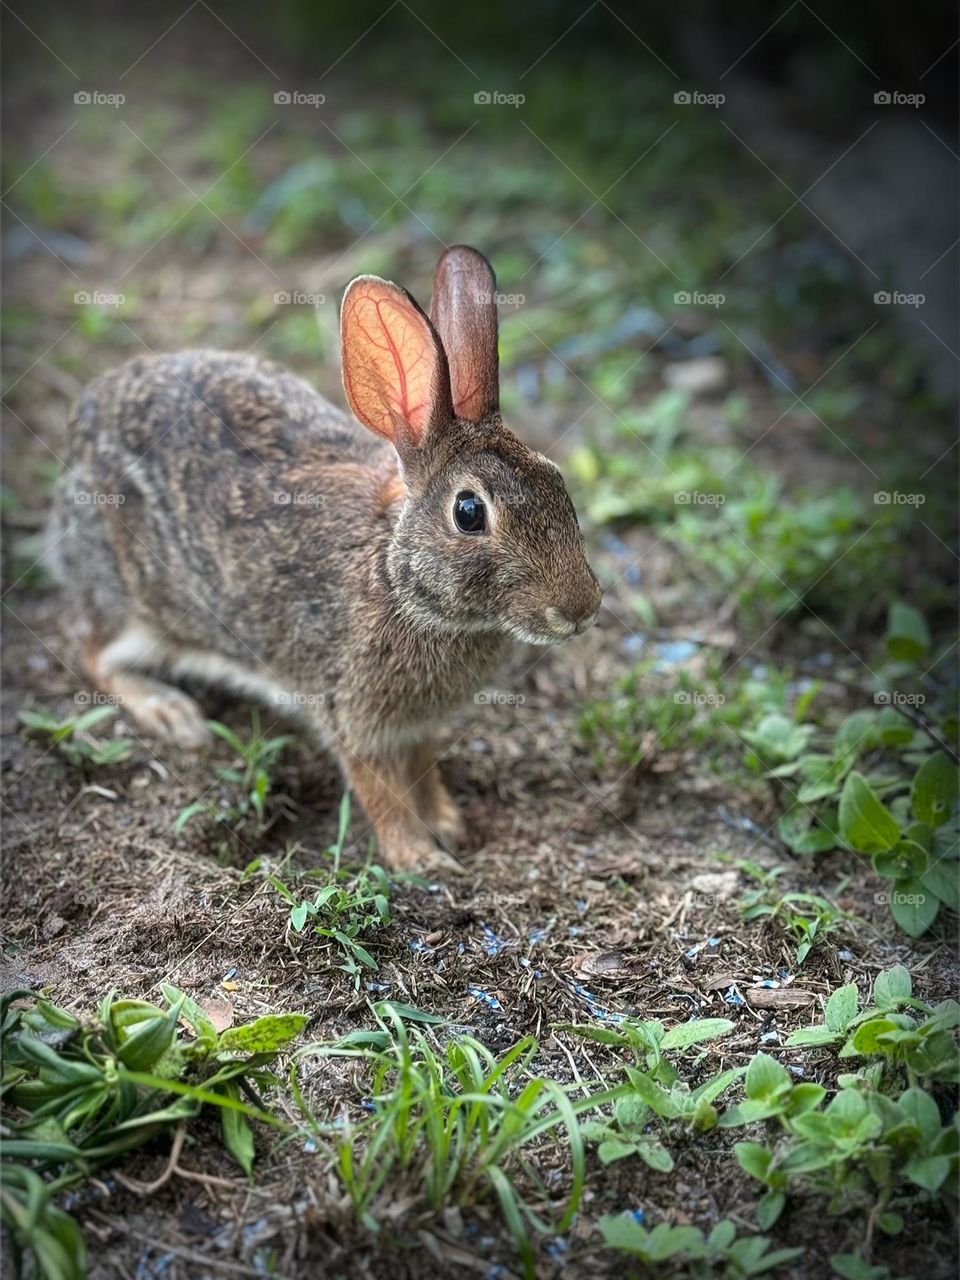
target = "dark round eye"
x: 469, y: 513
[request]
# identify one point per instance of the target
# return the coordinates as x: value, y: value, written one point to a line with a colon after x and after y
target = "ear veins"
x: 394, y: 368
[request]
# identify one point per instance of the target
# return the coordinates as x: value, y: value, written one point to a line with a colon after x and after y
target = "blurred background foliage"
x: 600, y: 201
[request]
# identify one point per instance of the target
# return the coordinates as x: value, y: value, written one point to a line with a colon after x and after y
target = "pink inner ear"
x: 392, y: 365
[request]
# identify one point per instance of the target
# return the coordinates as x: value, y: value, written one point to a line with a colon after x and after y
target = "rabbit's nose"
x: 563, y: 625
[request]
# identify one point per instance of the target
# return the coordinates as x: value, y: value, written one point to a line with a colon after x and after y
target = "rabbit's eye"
x: 469, y: 513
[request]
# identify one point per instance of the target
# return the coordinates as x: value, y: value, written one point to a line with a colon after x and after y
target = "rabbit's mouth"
x: 559, y: 628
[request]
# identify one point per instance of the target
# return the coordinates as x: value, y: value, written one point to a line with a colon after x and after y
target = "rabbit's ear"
x: 464, y: 311
x: 394, y: 368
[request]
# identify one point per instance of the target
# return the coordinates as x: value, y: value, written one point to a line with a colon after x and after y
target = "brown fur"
x: 218, y: 518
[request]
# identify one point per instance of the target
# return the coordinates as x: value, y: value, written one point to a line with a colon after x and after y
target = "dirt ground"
x: 588, y: 888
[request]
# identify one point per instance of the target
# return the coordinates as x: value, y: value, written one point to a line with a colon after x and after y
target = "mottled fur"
x: 219, y: 519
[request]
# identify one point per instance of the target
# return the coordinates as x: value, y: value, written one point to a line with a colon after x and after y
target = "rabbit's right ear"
x: 464, y: 311
x: 394, y: 367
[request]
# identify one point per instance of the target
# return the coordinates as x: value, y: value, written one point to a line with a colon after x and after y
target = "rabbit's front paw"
x: 419, y: 854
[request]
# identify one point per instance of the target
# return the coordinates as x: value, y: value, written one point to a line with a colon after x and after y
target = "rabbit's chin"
x: 542, y: 638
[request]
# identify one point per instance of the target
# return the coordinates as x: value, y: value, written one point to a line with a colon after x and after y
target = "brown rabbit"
x: 220, y: 520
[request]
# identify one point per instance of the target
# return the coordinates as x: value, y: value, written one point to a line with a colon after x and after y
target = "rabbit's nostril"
x: 563, y: 625
x: 558, y: 622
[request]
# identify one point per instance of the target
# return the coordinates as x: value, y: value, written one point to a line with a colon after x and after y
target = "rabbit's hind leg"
x: 158, y: 709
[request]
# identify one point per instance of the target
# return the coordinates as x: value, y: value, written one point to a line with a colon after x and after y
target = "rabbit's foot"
x: 438, y: 810
x: 390, y: 789
x: 419, y: 854
x: 161, y: 711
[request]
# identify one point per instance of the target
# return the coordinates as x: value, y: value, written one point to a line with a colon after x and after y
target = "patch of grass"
x: 809, y: 918
x: 243, y: 803
x: 642, y: 719
x: 72, y: 737
x: 80, y: 1092
x: 347, y: 906
x: 452, y: 1125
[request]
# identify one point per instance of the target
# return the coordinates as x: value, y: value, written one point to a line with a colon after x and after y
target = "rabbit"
x: 220, y: 521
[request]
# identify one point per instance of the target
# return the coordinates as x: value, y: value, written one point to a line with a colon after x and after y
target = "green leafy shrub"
x: 78, y: 1093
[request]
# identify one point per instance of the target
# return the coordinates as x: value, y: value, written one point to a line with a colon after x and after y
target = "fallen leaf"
x: 609, y: 964
x: 220, y: 1012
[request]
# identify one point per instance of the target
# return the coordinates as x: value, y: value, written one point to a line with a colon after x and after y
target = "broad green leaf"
x: 655, y: 1155
x: 920, y: 1107
x: 615, y: 1149
x: 866, y: 824
x: 929, y: 1172
x: 858, y: 733
x: 866, y: 1038
x: 766, y: 1078
x: 894, y: 729
x: 602, y: 1035
x: 802, y: 833
x: 723, y: 1235
x: 913, y: 907
x: 754, y: 1158
x: 266, y: 1035
x: 842, y: 1007
x: 805, y: 1097
x: 908, y: 637
x: 813, y: 1036
x: 776, y: 737
x: 298, y: 915
x: 935, y: 790
x: 852, y: 1267
x: 688, y: 1033
x: 749, y: 1111
x: 769, y: 1210
x: 943, y: 881
x: 892, y: 987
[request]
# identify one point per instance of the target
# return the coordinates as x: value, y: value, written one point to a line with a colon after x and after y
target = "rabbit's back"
x: 196, y: 483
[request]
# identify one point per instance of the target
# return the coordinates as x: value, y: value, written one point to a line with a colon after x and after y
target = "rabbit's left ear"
x: 464, y: 314
x: 394, y: 369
